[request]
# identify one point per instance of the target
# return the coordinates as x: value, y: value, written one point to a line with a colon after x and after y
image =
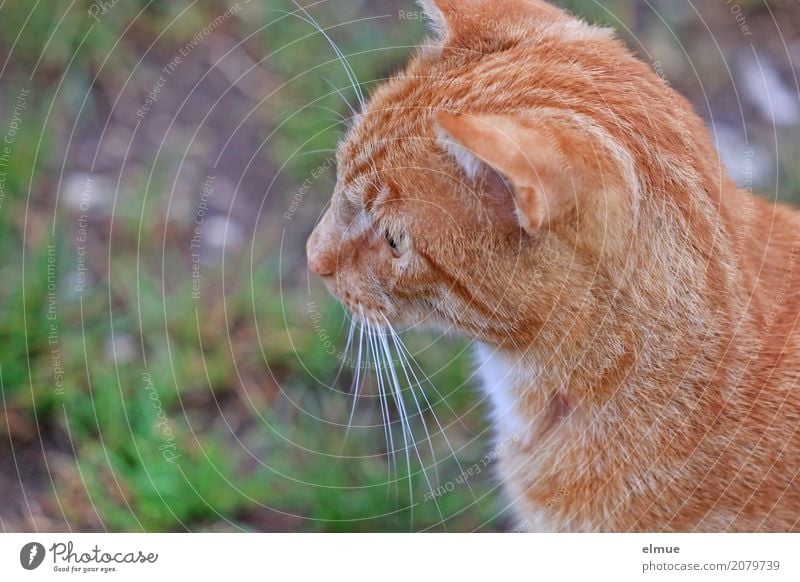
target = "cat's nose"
x: 320, y: 262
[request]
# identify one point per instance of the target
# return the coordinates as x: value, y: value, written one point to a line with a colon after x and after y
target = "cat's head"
x: 493, y: 179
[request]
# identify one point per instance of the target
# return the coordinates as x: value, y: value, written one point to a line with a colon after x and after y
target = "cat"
x: 529, y: 183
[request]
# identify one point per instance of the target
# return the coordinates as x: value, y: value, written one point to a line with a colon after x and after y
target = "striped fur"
x: 643, y: 336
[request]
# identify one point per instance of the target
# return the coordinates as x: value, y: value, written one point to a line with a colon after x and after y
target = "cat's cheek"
x: 399, y: 274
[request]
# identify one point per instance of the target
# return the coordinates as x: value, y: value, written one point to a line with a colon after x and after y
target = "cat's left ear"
x: 531, y: 158
x: 454, y: 20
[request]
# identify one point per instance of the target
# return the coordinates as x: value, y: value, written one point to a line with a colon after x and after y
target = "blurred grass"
x: 260, y: 443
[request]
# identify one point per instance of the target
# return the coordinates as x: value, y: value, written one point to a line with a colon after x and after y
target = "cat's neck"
x: 641, y: 322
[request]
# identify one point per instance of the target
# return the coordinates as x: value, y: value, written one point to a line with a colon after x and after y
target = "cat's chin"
x: 371, y: 316
x: 432, y: 322
x: 401, y: 320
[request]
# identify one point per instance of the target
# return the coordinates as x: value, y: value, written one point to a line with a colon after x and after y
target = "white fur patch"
x: 498, y: 375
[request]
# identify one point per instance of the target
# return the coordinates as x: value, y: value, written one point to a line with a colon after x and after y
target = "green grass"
x: 214, y: 413
x: 293, y: 458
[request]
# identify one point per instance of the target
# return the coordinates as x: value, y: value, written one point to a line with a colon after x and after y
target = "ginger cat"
x: 529, y: 183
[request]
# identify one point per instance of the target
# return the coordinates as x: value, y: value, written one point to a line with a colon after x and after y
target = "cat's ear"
x: 438, y: 12
x: 449, y: 17
x: 530, y: 158
x: 452, y: 19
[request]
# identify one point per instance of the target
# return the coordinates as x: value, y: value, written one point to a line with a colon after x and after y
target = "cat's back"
x: 769, y: 247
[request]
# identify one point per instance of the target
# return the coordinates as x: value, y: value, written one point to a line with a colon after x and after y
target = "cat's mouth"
x: 365, y: 313
x: 362, y: 308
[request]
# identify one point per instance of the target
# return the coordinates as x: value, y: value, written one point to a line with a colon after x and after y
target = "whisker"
x: 406, y: 356
x: 338, y: 91
x: 407, y: 426
x: 345, y: 63
x: 316, y: 151
x: 401, y: 360
x: 392, y: 389
x: 384, y: 403
x: 427, y: 380
x: 356, y: 385
x: 345, y: 352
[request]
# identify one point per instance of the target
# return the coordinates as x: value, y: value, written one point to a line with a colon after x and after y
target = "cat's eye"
x: 398, y: 242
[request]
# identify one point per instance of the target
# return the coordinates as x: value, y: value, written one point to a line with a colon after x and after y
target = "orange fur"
x: 565, y: 208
